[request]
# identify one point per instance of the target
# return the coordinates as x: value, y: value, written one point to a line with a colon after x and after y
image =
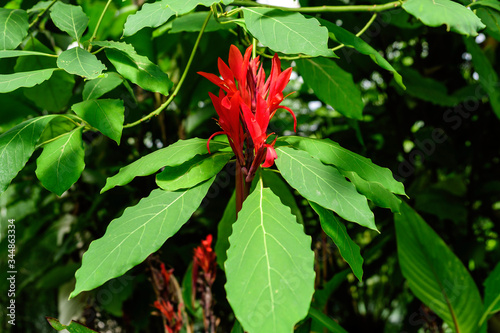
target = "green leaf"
x: 435, y: 275
x: 287, y: 32
x: 338, y: 233
x: 280, y: 188
x: 435, y: 13
x: 492, y: 293
x: 136, y: 68
x: 349, y: 39
x: 22, y: 53
x: 269, y: 265
x: 70, y: 19
x: 140, y: 231
x: 330, y: 152
x: 326, y: 321
x: 80, y: 62
x: 150, y: 15
x: 73, y: 327
x: 61, y: 162
x: 485, y: 3
x: 194, y: 21
x: 11, y: 82
x: 13, y: 28
x: 488, y: 78
x: 184, y: 6
x: 17, y: 145
x: 224, y: 229
x: 96, y: 88
x: 491, y: 18
x: 324, y: 185
x: 332, y: 85
x: 39, y: 6
x: 375, y: 192
x: 192, y: 172
x: 104, y: 114
x: 175, y: 154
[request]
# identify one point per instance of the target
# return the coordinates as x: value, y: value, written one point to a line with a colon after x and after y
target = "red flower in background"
x: 246, y: 103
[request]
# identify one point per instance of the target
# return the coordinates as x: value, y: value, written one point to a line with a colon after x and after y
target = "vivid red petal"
x: 293, y: 115
x: 270, y: 156
x: 235, y: 62
x: 210, y: 138
x: 214, y: 79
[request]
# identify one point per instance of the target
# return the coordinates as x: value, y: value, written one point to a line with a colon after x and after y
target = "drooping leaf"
x: 287, y: 32
x: 175, y: 154
x: 338, y: 233
x: 96, y: 88
x: 61, y: 162
x: 80, y: 62
x: 435, y: 275
x: 194, y: 21
x: 136, y: 68
x: 104, y: 114
x: 330, y: 152
x: 492, y: 293
x: 269, y: 265
x: 192, y: 172
x: 491, y: 18
x: 328, y: 323
x: 70, y: 19
x: 140, y: 231
x: 488, y: 78
x: 11, y: 82
x: 13, y: 28
x: 332, y: 85
x: 324, y: 185
x: 16, y: 147
x: 435, y: 13
x: 349, y: 39
x: 73, y: 327
x: 224, y: 229
x: 150, y: 15
x: 184, y: 6
x: 22, y: 53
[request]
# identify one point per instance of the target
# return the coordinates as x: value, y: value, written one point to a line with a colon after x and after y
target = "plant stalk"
x: 327, y: 9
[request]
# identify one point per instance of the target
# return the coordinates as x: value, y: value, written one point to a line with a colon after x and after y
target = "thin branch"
x: 362, y: 31
x: 327, y: 9
x: 98, y: 24
x: 41, y: 13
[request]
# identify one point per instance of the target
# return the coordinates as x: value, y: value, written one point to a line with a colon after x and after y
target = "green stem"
x: 41, y: 14
x: 181, y: 80
x: 327, y: 9
x: 98, y: 24
x: 362, y: 31
x: 57, y: 137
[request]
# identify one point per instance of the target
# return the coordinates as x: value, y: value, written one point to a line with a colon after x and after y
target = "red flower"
x: 204, y: 258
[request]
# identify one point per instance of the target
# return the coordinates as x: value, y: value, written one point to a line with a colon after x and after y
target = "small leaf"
x: 73, y: 327
x: 136, y: 68
x: 332, y: 85
x: 194, y: 21
x: 287, y: 32
x: 330, y: 152
x: 80, y: 62
x: 17, y: 145
x: 140, y: 231
x: 324, y: 185
x: 22, y: 53
x: 175, y: 154
x: 150, y: 15
x: 486, y: 3
x: 338, y: 233
x: 492, y: 292
x: 435, y: 13
x: 96, y: 88
x: 61, y: 162
x: 11, y: 82
x: 104, y: 114
x: 13, y: 28
x: 39, y: 6
x: 70, y: 19
x: 192, y: 172
x: 269, y: 265
x: 435, y: 275
x: 185, y: 6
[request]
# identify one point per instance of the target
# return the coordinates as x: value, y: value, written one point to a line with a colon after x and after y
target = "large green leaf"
x: 150, y: 15
x: 491, y: 18
x: 488, y: 78
x: 96, y: 88
x: 349, y: 39
x: 175, y: 154
x: 435, y: 13
x: 435, y: 275
x: 192, y: 172
x: 338, y: 233
x: 224, y: 229
x: 332, y: 85
x: 80, y: 62
x: 70, y: 19
x: 13, y: 28
x: 136, y: 68
x: 61, y: 162
x: 269, y: 265
x: 287, y: 32
x: 330, y: 152
x: 104, y: 114
x: 492, y: 293
x: 140, y: 231
x: 11, y: 82
x: 16, y: 147
x: 272, y: 180
x: 324, y: 185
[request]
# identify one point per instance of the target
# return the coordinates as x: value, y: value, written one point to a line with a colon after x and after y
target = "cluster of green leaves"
x: 74, y: 82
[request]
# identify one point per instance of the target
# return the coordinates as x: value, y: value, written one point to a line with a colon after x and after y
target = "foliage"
x: 379, y: 214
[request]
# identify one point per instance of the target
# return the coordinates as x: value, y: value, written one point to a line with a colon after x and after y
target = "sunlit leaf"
x: 73, y: 327
x: 22, y: 53
x: 80, y: 62
x: 70, y: 19
x: 13, y: 27
x: 150, y: 15
x: 96, y: 88
x: 11, y: 82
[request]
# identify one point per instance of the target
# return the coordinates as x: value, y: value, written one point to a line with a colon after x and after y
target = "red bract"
x: 245, y: 105
x: 204, y: 258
